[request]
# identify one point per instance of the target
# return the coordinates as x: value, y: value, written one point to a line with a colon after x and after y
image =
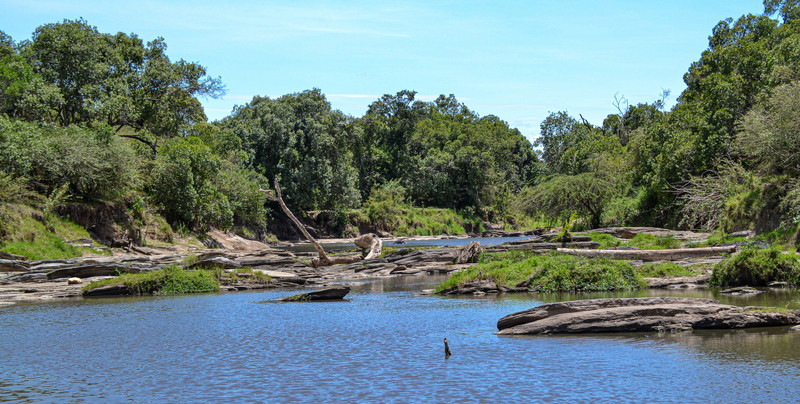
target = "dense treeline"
x: 725, y: 157
x: 88, y: 117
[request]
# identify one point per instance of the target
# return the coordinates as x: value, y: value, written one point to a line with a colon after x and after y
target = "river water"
x: 383, y: 344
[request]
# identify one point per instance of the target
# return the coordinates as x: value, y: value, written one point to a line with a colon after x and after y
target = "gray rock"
x: 639, y: 314
x: 98, y: 269
x: 215, y: 262
x: 476, y: 287
x: 337, y: 293
x: 469, y: 253
x: 779, y: 284
x: 8, y: 256
x: 110, y: 290
x: 39, y: 276
x: 14, y: 266
x: 741, y: 290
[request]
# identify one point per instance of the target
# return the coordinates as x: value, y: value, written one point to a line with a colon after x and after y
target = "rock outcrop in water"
x: 640, y: 314
x: 337, y: 293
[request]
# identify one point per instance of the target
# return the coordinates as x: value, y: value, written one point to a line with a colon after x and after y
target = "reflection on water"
x: 384, y: 343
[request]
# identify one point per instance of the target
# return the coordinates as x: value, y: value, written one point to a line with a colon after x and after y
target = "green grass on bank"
x: 550, y: 272
x: 171, y: 280
x: 754, y: 267
x: 643, y: 241
x: 21, y: 233
x: 404, y: 220
x: 667, y: 270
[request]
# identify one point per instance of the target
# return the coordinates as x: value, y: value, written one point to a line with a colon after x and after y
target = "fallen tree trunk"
x: 324, y: 259
x: 650, y: 255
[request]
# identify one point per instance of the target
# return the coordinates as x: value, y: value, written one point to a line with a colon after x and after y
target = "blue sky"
x: 518, y: 60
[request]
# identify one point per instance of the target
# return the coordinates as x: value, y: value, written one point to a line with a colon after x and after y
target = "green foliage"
x: 461, y: 161
x: 14, y: 189
x: 769, y: 139
x: 559, y: 133
x: 560, y: 196
x: 52, y: 157
x: 186, y: 177
x: 551, y: 272
x: 664, y: 270
x: 411, y: 221
x: 643, y: 241
x: 754, y: 267
x: 716, y: 238
x: 79, y: 75
x: 299, y: 140
x: 22, y: 234
x: 241, y: 275
x: 651, y: 242
x: 170, y: 280
x: 385, y: 206
x: 46, y: 246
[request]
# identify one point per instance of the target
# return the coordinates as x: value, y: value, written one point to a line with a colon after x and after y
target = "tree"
x: 390, y: 123
x: 559, y: 132
x: 298, y: 139
x: 769, y: 139
x: 462, y: 161
x: 561, y: 196
x: 116, y: 80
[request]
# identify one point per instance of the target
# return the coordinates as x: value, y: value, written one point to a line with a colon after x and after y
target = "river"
x: 383, y: 344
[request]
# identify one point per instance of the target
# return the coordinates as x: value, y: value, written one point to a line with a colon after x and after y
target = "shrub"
x: 92, y: 165
x: 755, y: 267
x: 551, y: 272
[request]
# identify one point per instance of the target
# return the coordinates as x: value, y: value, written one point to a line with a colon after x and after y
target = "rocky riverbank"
x: 22, y: 280
x: 26, y: 281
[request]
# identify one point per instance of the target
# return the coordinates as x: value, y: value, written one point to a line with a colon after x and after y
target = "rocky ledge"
x: 640, y: 314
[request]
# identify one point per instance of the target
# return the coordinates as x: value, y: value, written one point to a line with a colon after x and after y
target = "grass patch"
x: 666, y: 270
x: 170, y: 280
x: 22, y: 234
x: 716, y: 238
x: 643, y: 241
x: 651, y: 242
x: 241, y: 275
x: 550, y: 272
x: 44, y: 247
x: 754, y: 267
x: 768, y: 310
x: 605, y: 240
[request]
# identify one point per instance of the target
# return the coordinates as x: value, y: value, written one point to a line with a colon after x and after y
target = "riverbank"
x: 25, y: 281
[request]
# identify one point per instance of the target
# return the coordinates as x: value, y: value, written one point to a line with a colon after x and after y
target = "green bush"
x: 170, y: 280
x: 183, y: 184
x: 754, y: 267
x: 91, y: 164
x: 551, y: 272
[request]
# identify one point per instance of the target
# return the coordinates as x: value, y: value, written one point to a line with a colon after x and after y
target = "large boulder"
x: 640, y: 314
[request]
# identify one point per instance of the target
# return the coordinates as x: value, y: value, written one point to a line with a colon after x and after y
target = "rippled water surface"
x: 383, y: 344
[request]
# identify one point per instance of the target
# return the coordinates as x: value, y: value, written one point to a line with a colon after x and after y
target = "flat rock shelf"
x: 640, y: 315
